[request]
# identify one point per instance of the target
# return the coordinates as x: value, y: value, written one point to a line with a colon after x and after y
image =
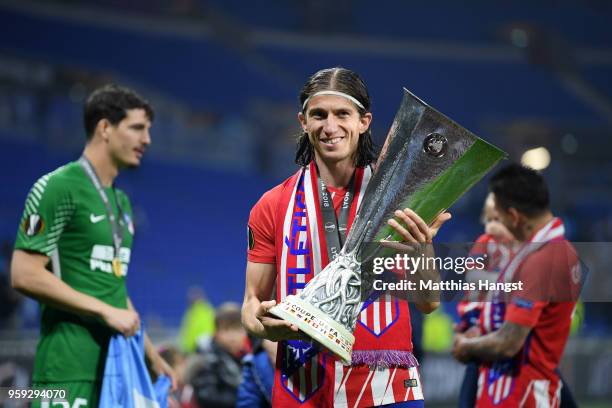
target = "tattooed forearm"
x: 503, y: 343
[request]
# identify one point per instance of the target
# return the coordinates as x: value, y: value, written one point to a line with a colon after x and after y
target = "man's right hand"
x: 125, y: 321
x: 273, y: 328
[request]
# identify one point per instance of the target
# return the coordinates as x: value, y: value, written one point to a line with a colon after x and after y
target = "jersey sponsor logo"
x: 102, y: 257
x: 33, y: 225
x: 96, y: 218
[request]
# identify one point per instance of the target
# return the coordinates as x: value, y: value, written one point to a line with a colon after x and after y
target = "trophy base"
x: 315, y: 323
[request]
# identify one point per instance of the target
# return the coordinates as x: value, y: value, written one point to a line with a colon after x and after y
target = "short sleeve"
x: 526, y: 304
x: 524, y: 311
x: 261, y: 229
x: 48, y: 209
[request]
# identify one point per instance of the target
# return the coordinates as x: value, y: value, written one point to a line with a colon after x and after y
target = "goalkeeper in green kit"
x: 73, y: 247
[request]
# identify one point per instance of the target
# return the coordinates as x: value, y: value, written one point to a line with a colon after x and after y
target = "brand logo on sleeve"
x: 96, y: 218
x: 33, y: 225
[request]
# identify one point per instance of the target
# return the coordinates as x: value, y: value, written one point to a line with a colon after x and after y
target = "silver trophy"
x: 427, y: 162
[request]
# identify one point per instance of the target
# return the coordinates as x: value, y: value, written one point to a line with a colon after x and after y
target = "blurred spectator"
x: 199, y: 319
x: 437, y: 332
x: 215, y: 373
x: 258, y: 376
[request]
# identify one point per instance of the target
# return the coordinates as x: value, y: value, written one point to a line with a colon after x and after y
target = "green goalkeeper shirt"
x: 65, y: 219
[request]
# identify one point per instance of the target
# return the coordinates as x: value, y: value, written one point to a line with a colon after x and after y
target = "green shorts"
x: 78, y: 394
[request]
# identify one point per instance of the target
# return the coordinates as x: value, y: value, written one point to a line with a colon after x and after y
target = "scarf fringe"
x: 377, y: 359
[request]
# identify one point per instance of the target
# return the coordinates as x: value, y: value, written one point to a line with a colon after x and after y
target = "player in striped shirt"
x: 521, y: 358
x: 289, y: 242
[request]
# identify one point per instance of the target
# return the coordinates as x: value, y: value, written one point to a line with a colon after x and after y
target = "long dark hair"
x: 348, y: 82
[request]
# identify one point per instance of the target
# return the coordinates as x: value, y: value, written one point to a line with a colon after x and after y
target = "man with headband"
x: 288, y: 232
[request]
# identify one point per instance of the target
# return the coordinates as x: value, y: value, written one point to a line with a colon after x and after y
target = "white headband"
x: 336, y: 93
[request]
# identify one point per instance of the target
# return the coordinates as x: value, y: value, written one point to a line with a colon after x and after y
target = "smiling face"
x: 128, y: 140
x: 333, y: 125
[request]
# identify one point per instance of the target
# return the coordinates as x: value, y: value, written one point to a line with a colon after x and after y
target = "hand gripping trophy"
x: 427, y: 162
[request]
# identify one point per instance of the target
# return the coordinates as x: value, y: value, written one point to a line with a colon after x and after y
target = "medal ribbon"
x: 335, y: 226
x: 116, y: 225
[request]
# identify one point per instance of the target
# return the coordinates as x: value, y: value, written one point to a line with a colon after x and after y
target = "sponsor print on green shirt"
x: 66, y: 220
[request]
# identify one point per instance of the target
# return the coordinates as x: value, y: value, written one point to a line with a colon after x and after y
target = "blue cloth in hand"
x: 126, y: 382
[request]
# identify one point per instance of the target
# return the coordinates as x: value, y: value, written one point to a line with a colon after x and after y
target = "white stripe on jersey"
x: 527, y: 393
x: 301, y: 259
x: 55, y: 263
x: 379, y: 383
x: 376, y: 313
x: 540, y: 393
x: 302, y: 377
x: 480, y: 385
x: 507, y: 387
x: 367, y: 174
x: 340, y: 385
x: 364, y: 316
x: 389, y: 397
x: 417, y: 391
x: 498, y: 384
x: 286, y: 230
x: 388, y: 304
